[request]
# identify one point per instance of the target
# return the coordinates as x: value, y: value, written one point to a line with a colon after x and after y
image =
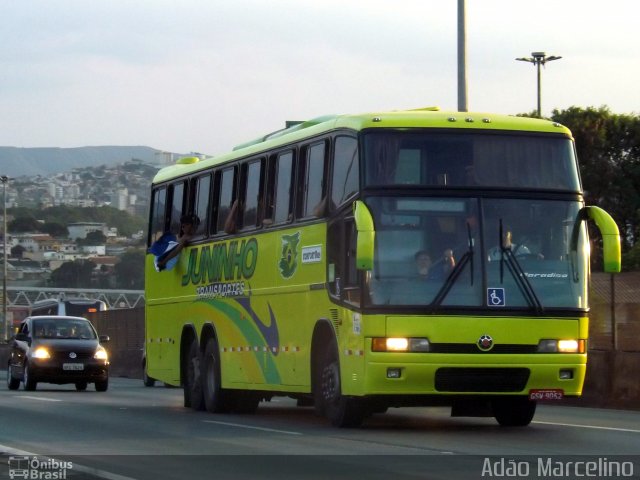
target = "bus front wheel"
x: 193, y: 378
x: 514, y: 412
x: 342, y: 411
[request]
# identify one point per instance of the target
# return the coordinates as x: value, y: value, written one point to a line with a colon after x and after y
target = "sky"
x: 204, y: 75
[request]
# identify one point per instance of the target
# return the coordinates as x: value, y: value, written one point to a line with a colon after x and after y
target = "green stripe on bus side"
x: 250, y: 332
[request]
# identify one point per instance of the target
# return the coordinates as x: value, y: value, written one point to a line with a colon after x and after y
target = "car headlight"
x: 101, y: 354
x: 41, y: 353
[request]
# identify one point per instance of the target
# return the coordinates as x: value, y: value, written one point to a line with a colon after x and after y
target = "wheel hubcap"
x: 330, y: 383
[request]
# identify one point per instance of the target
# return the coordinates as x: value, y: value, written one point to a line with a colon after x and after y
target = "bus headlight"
x: 399, y: 344
x: 41, y: 353
x: 562, y: 346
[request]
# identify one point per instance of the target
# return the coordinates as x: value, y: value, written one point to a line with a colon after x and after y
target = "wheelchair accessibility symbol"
x: 495, y: 297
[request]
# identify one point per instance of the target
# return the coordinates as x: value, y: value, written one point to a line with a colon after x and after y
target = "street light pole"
x: 462, y: 58
x: 539, y: 59
x: 4, y: 179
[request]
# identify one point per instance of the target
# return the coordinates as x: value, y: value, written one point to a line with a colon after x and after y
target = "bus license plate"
x: 73, y: 366
x: 546, y: 394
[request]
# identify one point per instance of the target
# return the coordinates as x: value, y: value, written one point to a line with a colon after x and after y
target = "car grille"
x: 64, y: 355
x: 481, y: 379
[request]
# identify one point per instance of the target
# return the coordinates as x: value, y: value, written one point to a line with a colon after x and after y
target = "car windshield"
x: 50, y: 328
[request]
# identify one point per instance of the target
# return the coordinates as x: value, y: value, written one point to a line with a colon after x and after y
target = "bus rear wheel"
x: 193, y: 378
x: 514, y: 412
x: 216, y: 399
x: 342, y: 411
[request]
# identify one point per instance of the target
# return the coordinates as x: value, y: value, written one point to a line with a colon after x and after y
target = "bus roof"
x: 430, y: 117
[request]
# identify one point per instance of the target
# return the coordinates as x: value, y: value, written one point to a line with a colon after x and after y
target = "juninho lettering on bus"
x: 222, y: 261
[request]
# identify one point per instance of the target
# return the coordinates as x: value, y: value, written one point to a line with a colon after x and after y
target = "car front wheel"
x: 12, y: 383
x: 29, y: 382
x: 102, y: 385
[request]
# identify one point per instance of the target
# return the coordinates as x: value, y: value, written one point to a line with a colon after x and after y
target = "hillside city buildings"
x: 124, y: 187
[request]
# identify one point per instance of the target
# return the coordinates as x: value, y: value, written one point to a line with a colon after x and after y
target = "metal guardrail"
x: 25, y: 296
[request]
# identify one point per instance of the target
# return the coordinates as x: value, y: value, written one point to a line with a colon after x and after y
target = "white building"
x: 80, y: 230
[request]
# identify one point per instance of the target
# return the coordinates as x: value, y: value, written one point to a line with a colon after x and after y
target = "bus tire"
x: 146, y: 379
x: 193, y: 377
x: 216, y: 399
x: 341, y: 411
x: 514, y: 412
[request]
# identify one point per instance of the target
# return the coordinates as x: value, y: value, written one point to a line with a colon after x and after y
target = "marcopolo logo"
x: 38, y: 468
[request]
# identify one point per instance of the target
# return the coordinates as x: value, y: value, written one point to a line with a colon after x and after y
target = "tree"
x: 24, y: 224
x: 55, y: 229
x: 18, y: 251
x: 76, y: 274
x: 608, y: 148
x: 130, y: 270
x: 93, y: 238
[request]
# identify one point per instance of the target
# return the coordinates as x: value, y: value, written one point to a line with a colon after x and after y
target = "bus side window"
x: 311, y: 182
x: 346, y: 172
x: 177, y: 192
x: 158, y: 216
x: 226, y: 198
x: 279, y: 197
x: 202, y: 194
x: 252, y: 180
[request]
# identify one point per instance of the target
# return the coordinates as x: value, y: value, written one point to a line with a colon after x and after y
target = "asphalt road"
x: 136, y: 432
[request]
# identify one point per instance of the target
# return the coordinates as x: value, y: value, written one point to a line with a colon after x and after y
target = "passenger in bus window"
x: 231, y: 224
x: 495, y: 253
x: 188, y: 227
x: 439, y: 270
x: 423, y: 264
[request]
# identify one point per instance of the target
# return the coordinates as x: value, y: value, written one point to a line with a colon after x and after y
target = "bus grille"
x: 473, y: 348
x: 481, y: 379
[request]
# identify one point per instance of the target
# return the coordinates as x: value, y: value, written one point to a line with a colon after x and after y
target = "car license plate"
x: 550, y: 394
x: 73, y: 366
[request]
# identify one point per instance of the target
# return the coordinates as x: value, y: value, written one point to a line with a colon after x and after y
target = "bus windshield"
x: 477, y: 253
x: 466, y: 159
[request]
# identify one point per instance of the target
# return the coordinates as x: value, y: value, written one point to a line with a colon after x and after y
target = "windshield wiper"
x: 455, y: 273
x: 518, y: 274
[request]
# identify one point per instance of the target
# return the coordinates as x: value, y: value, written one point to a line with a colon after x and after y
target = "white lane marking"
x: 252, y: 427
x: 589, y: 426
x: 75, y: 467
x: 42, y: 399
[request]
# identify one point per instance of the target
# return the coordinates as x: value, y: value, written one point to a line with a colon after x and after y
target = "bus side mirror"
x: 365, y: 236
x: 610, y: 236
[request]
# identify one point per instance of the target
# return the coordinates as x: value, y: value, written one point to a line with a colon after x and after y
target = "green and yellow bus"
x: 361, y: 262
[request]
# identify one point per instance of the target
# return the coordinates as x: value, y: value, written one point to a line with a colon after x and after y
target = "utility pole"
x: 462, y: 58
x: 4, y: 179
x: 539, y: 59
